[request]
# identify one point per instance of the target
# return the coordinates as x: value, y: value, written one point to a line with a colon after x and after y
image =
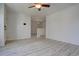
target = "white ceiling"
x: 23, y: 8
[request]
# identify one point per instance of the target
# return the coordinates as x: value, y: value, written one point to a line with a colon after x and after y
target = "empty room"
x: 39, y: 29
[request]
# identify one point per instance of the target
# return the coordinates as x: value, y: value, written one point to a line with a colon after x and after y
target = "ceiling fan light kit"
x: 39, y: 6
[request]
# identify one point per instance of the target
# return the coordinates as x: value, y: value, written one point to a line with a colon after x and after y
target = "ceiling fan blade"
x: 44, y: 5
x: 31, y: 6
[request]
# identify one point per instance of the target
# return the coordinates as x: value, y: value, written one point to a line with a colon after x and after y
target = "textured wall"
x: 64, y: 25
x: 16, y: 28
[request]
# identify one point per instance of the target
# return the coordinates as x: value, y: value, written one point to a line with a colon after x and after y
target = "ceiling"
x: 23, y: 8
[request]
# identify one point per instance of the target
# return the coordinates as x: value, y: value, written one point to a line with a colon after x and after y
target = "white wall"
x: 64, y: 25
x: 15, y: 27
x: 23, y: 31
x: 11, y: 25
x: 2, y: 41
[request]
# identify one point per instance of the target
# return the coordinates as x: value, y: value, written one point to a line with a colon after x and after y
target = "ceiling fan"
x: 39, y: 6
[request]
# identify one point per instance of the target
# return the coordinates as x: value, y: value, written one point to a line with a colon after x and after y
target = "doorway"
x: 38, y: 26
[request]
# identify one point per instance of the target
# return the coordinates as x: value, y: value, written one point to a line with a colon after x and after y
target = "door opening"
x: 38, y: 27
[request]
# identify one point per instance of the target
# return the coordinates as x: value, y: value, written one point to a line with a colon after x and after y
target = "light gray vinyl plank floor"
x: 38, y: 47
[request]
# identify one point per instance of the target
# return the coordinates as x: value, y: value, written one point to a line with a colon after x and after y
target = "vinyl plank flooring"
x: 38, y: 47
